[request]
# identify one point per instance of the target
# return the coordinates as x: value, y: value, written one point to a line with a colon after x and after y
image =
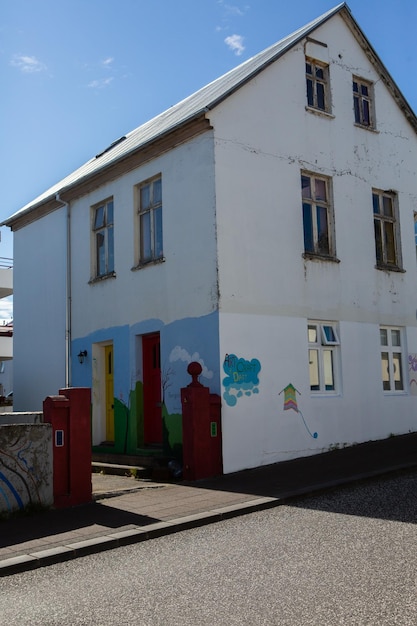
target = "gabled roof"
x: 197, y: 105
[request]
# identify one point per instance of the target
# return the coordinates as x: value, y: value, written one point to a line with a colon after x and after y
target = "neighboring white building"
x: 264, y: 226
x: 6, y: 334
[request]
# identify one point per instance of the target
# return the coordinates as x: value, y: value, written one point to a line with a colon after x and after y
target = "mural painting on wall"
x: 290, y: 403
x: 22, y: 473
x: 242, y: 378
x: 181, y: 354
x: 412, y: 373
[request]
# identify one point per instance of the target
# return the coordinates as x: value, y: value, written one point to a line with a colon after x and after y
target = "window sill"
x: 312, y: 256
x: 144, y: 264
x: 320, y: 112
x: 372, y: 129
x: 389, y: 268
x: 325, y: 394
x: 98, y: 279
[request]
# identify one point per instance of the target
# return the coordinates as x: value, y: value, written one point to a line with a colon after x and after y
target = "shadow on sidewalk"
x: 391, y: 498
x: 373, y: 463
x: 55, y: 522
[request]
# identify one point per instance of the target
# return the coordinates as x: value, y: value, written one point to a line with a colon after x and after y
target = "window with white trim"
x: 317, y: 215
x: 149, y: 198
x: 387, y: 242
x: 363, y: 102
x: 392, y: 358
x: 103, y: 238
x: 323, y: 356
x: 317, y: 83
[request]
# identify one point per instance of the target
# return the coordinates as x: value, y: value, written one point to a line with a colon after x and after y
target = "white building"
x: 264, y: 226
x: 6, y: 330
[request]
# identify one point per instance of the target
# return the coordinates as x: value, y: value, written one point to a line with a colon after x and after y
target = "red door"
x: 152, y: 405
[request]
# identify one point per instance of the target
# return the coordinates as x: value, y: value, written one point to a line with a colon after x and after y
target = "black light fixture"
x: 81, y: 356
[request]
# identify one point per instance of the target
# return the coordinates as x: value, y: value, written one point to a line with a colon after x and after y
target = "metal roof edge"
x: 376, y: 60
x: 239, y: 76
x: 58, y: 190
x: 293, y: 39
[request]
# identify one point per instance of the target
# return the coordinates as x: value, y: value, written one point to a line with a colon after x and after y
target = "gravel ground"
x: 347, y: 557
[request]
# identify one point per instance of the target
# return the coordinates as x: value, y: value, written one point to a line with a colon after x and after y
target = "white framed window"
x: 149, y: 199
x: 363, y: 105
x: 392, y: 357
x: 103, y: 238
x: 318, y: 215
x: 387, y: 239
x: 317, y: 84
x: 323, y: 356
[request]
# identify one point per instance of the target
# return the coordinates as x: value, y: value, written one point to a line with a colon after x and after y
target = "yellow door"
x: 109, y: 393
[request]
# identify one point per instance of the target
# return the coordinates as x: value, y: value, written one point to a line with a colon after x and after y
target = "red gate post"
x: 56, y: 413
x: 69, y: 414
x: 81, y: 444
x: 201, y: 431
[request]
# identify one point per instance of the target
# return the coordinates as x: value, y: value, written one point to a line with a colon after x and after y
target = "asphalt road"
x: 345, y: 557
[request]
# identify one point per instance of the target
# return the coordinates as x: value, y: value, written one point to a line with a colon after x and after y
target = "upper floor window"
x: 317, y: 82
x: 323, y: 355
x: 391, y: 359
x: 363, y: 102
x: 103, y: 242
x: 317, y: 215
x: 150, y: 220
x: 386, y: 229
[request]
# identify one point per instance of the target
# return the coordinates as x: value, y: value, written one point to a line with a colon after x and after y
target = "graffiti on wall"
x: 242, y: 378
x: 290, y: 403
x: 412, y: 373
x: 25, y: 466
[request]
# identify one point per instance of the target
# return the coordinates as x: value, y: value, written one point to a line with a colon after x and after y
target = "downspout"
x: 68, y: 294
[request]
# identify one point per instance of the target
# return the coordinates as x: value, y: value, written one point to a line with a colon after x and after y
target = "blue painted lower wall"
x: 182, y: 341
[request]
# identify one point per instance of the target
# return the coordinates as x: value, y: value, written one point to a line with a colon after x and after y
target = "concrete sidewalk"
x: 126, y: 510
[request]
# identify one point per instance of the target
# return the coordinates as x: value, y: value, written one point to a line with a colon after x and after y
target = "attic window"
x: 363, y: 103
x: 111, y: 146
x: 317, y: 82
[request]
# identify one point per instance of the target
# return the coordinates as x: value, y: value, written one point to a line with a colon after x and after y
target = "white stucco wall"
x: 185, y: 285
x: 39, y: 311
x: 264, y: 137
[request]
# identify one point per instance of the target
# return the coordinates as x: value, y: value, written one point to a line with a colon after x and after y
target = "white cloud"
x: 235, y: 43
x: 27, y: 64
x: 232, y: 9
x: 180, y: 354
x: 107, y: 62
x: 100, y: 83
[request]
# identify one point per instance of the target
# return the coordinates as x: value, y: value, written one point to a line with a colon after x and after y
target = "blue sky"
x: 78, y: 74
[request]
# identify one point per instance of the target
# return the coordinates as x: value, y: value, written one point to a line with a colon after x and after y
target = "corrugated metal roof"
x: 203, y: 100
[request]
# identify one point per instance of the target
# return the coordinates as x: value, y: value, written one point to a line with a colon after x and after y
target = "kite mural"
x: 290, y: 402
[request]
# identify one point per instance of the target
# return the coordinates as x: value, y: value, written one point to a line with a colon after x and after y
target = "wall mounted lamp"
x: 81, y: 356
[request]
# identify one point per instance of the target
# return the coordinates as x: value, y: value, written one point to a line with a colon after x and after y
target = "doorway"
x: 152, y: 404
x: 109, y: 381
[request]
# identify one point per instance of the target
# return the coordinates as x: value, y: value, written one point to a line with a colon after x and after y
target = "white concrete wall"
x: 6, y: 376
x: 264, y: 137
x: 39, y: 311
